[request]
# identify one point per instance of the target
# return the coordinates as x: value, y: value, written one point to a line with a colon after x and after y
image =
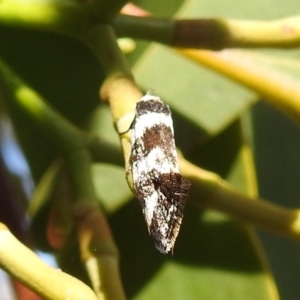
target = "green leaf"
x: 200, y: 91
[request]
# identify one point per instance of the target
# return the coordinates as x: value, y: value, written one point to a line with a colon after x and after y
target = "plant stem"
x: 145, y: 28
x: 24, y: 265
x: 55, y: 16
x: 104, y: 151
x: 63, y: 133
x: 213, y: 34
x: 210, y: 191
x: 119, y: 88
x: 69, y: 17
x: 98, y: 250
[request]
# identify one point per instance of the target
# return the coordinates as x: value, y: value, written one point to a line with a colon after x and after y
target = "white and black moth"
x: 160, y: 189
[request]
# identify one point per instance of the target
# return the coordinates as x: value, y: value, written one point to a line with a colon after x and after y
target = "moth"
x: 160, y: 189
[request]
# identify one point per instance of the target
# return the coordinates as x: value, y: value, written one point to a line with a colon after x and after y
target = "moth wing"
x: 161, y: 190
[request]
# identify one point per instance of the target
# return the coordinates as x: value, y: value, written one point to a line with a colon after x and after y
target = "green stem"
x: 63, y: 133
x: 79, y: 166
x: 145, y: 28
x: 103, y: 151
x: 119, y: 88
x: 23, y: 264
x: 210, y: 191
x: 214, y: 34
x: 67, y: 17
x: 56, y: 16
x: 98, y: 250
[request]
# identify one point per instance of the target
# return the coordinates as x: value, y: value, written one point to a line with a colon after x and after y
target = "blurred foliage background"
x: 217, y: 121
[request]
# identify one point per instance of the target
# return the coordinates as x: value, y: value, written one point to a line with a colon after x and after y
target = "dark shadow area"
x: 139, y: 258
x: 69, y: 260
x: 218, y: 153
x: 12, y: 213
x: 277, y: 157
x: 215, y: 244
x: 63, y: 71
x: 187, y: 134
x: 209, y: 244
x: 38, y: 227
x: 60, y: 68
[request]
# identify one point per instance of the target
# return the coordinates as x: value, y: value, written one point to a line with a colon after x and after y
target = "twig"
x: 97, y: 247
x: 64, y: 134
x: 210, y: 191
x: 66, y: 17
x: 25, y: 265
x: 213, y: 34
x: 73, y: 144
x: 119, y: 88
